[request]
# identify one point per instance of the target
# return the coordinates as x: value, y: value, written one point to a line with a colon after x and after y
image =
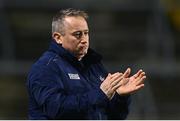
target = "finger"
x: 127, y: 72
x: 139, y: 76
x: 138, y: 73
x: 116, y: 77
x: 142, y: 74
x: 115, y: 74
x: 139, y: 87
x: 141, y: 80
x: 108, y: 76
x: 116, y: 86
x: 116, y: 81
x: 124, y: 81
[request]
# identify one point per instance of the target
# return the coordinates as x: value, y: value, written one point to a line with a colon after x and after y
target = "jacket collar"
x: 90, y: 58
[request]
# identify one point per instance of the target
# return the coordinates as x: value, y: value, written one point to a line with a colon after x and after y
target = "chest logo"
x: 101, y: 78
x: 73, y: 76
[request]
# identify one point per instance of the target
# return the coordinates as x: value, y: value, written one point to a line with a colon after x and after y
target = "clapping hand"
x: 122, y: 83
x: 131, y: 84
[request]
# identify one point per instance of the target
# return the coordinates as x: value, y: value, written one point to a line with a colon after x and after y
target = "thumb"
x: 109, y: 75
x: 127, y: 73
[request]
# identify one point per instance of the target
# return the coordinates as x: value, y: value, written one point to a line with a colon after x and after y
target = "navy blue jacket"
x: 61, y: 87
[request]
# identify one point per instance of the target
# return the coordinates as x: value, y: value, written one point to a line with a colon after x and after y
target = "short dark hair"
x: 58, y: 19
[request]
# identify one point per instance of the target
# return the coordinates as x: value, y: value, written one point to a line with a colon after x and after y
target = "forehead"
x: 75, y: 23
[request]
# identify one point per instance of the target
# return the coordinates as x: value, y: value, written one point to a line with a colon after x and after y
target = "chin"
x: 81, y: 56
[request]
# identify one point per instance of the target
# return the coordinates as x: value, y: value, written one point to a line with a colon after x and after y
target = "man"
x: 69, y: 81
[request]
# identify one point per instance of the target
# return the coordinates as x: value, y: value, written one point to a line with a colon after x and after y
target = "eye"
x: 77, y: 34
x: 86, y: 33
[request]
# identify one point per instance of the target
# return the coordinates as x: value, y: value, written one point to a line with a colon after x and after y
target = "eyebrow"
x: 80, y: 30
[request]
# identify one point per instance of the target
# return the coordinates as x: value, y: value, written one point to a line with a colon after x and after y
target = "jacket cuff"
x: 120, y: 98
x: 99, y: 98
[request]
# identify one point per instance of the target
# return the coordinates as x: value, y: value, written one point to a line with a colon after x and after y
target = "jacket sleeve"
x: 55, y: 102
x: 119, y: 107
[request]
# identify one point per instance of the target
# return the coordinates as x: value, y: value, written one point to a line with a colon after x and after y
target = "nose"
x: 84, y: 38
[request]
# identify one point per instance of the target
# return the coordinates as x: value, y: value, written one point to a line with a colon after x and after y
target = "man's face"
x: 76, y: 37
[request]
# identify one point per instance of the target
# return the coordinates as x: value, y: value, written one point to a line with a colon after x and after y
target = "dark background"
x: 128, y: 33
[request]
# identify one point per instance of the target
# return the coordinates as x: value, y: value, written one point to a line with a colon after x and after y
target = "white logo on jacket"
x: 101, y: 78
x: 73, y: 76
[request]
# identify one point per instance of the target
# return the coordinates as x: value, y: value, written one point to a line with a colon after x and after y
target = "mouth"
x: 82, y: 50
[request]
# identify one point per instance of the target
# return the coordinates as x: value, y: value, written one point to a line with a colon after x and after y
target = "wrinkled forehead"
x: 76, y: 23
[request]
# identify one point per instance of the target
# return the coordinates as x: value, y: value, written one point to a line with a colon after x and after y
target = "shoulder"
x: 47, y: 60
x: 44, y: 67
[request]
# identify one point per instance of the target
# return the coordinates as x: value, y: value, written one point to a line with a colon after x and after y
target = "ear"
x: 57, y: 37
